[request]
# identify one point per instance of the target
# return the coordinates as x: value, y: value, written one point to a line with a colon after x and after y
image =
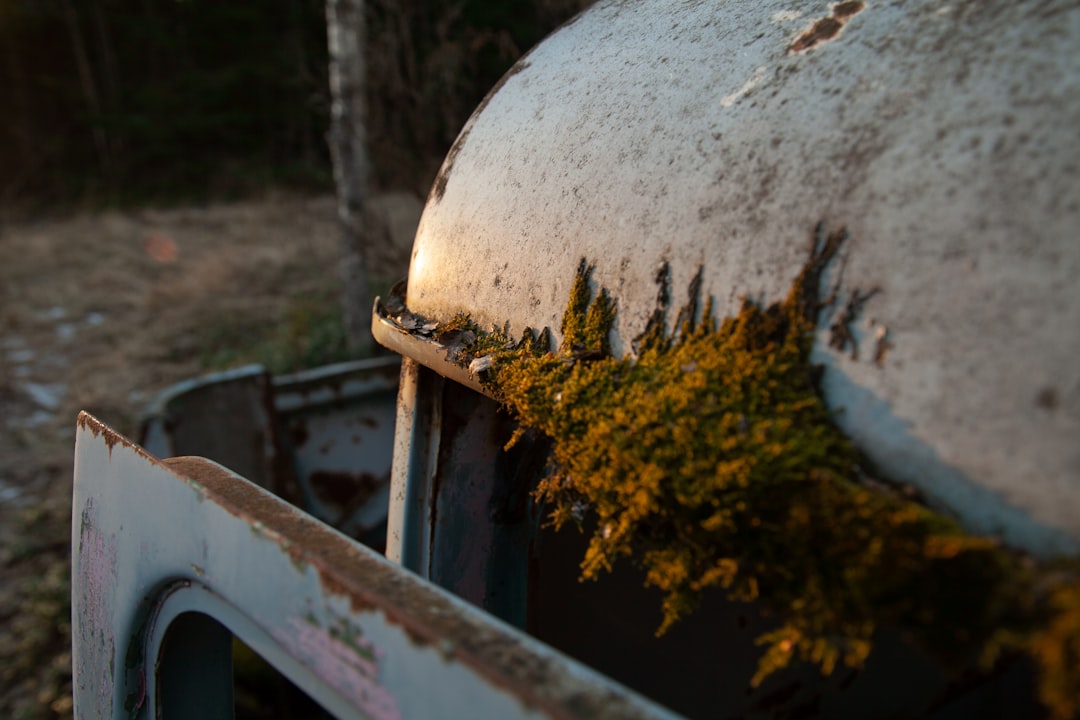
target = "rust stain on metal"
x: 827, y: 28
x: 344, y: 490
x: 86, y: 421
x: 821, y: 31
x: 298, y: 433
x: 1047, y: 399
x: 844, y: 10
x: 372, y: 584
x: 282, y: 470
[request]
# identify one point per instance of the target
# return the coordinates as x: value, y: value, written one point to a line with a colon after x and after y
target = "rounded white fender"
x: 944, y: 136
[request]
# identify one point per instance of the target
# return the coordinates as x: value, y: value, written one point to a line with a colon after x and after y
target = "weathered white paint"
x: 154, y: 541
x: 943, y: 136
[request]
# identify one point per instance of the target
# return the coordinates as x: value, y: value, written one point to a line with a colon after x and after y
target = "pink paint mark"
x: 350, y: 668
x: 96, y: 579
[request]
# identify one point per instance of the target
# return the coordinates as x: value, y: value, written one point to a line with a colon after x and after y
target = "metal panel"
x: 337, y: 425
x: 228, y: 416
x: 321, y: 438
x: 154, y: 542
x: 460, y: 516
x: 718, y: 134
x: 460, y: 513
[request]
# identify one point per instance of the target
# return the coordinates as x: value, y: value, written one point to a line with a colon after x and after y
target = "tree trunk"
x: 348, y: 150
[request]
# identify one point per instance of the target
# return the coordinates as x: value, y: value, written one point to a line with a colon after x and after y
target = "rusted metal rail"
x: 320, y: 438
x: 173, y: 558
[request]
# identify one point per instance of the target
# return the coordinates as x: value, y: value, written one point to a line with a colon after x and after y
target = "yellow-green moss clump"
x: 710, y: 460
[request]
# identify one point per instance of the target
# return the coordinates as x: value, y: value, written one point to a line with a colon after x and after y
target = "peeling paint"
x: 748, y: 86
x: 826, y: 28
x: 370, y: 583
x: 844, y: 10
x: 95, y: 579
x: 348, y: 667
x: 86, y: 421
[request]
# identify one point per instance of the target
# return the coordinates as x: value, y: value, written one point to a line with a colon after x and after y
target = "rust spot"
x: 1047, y: 399
x: 826, y: 28
x: 298, y: 433
x: 343, y: 489
x: 282, y: 471
x: 844, y: 10
x: 821, y: 31
x: 86, y: 421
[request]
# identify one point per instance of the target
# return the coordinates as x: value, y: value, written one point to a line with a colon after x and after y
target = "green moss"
x: 711, y: 461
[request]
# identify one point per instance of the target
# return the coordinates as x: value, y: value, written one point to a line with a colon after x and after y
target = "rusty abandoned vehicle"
x: 771, y: 307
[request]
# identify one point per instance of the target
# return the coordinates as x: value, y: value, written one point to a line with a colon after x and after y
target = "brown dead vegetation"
x: 104, y: 311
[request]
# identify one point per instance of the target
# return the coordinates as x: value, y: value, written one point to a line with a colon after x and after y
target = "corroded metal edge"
x: 365, y: 584
x: 425, y: 350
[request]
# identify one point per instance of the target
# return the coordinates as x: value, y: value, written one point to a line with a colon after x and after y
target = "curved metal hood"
x: 718, y: 134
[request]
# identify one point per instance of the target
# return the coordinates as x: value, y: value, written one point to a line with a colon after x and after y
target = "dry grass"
x: 114, y: 308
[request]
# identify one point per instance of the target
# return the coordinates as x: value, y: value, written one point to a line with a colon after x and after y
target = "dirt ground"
x: 100, y: 313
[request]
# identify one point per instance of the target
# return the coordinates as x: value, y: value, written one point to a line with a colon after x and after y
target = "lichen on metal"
x: 710, y: 460
x: 941, y: 135
x: 711, y: 135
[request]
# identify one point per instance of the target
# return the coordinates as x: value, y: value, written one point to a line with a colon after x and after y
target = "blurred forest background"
x: 122, y: 102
